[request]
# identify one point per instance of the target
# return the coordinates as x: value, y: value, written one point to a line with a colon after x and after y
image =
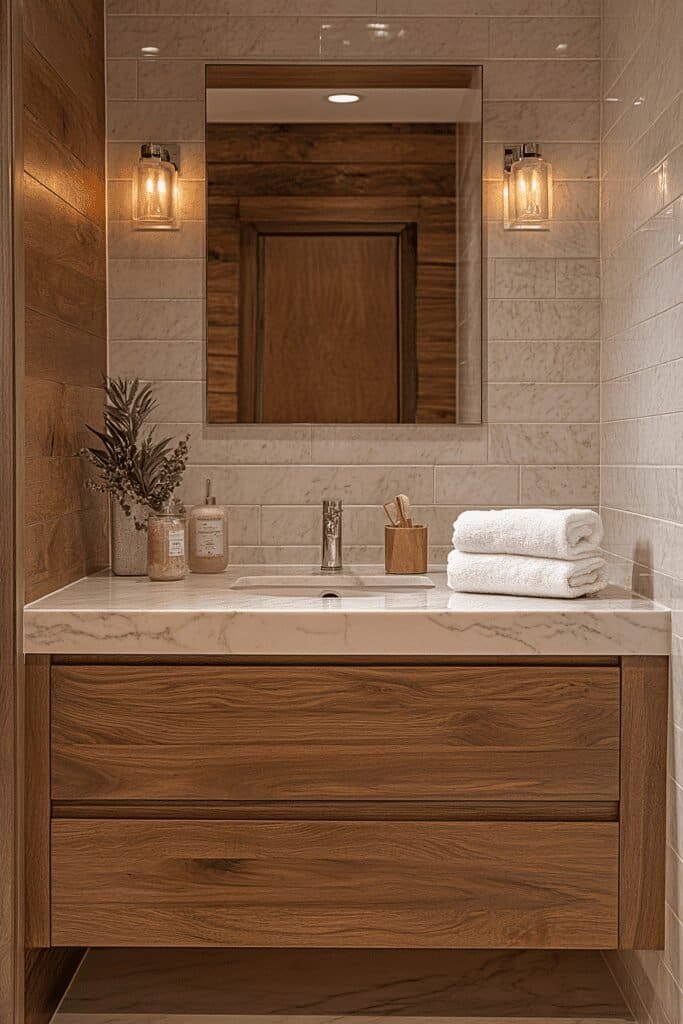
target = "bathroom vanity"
x: 251, y: 767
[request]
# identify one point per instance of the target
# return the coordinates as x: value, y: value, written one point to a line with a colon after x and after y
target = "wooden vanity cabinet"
x: 359, y: 804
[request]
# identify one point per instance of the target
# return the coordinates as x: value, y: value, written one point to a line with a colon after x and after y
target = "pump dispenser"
x: 209, y: 549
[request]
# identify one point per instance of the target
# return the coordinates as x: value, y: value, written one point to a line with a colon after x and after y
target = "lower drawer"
x: 310, y: 883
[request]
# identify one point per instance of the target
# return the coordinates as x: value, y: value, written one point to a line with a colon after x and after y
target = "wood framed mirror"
x: 343, y: 244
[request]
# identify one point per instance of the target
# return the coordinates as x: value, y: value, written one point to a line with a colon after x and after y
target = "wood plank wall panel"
x: 334, y: 173
x: 65, y: 272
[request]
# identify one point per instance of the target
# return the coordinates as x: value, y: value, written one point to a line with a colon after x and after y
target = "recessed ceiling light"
x: 639, y: 101
x: 343, y: 97
x: 149, y: 51
x: 561, y: 47
x: 611, y: 99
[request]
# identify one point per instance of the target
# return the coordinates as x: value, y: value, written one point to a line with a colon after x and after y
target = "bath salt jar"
x: 166, y: 546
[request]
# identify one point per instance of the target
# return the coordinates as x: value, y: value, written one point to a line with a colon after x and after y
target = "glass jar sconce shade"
x: 155, y: 189
x: 527, y: 189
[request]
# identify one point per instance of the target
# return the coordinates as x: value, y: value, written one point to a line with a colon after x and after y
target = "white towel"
x: 542, y: 532
x: 525, y: 576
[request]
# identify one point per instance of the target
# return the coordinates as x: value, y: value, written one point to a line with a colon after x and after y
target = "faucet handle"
x: 332, y: 505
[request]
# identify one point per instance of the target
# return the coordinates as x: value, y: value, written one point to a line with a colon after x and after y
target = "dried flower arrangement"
x: 137, y: 470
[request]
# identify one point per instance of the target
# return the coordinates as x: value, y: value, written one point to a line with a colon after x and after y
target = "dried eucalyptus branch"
x: 135, y: 469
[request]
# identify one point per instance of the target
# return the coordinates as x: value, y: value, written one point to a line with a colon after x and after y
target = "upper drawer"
x: 335, y: 733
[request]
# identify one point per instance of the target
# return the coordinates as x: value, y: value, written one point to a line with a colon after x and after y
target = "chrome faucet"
x: 331, y: 560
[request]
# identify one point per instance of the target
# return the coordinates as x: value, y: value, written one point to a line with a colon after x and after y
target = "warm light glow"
x: 149, y: 51
x: 343, y: 97
x: 155, y: 190
x: 527, y: 194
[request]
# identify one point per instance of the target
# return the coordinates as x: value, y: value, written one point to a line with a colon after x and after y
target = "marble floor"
x: 251, y: 986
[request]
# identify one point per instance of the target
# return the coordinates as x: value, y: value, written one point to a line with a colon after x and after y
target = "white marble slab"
x: 201, y: 615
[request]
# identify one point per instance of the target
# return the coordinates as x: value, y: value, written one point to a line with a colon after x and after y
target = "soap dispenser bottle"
x: 208, y: 535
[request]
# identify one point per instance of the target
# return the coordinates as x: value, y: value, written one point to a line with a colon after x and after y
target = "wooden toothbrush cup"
x: 405, y: 549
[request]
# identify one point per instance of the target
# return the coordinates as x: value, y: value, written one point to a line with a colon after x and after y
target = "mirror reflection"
x: 344, y: 244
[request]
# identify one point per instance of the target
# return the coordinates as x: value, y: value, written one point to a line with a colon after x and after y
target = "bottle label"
x: 176, y: 543
x: 209, y: 538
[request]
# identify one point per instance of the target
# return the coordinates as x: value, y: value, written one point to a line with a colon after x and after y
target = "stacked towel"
x: 531, y: 552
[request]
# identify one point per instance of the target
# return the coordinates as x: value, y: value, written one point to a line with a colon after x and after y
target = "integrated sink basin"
x: 332, y: 585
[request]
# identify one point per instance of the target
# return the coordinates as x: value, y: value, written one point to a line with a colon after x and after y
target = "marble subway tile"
x: 523, y: 279
x: 542, y: 120
x: 328, y: 8
x: 244, y: 444
x: 159, y: 360
x: 170, y: 80
x: 308, y: 485
x: 544, y: 443
x: 122, y: 158
x: 540, y: 37
x: 560, y: 485
x: 578, y: 279
x: 156, y: 279
x: 410, y: 443
x: 645, y: 490
x: 649, y: 392
x: 570, y: 160
x: 179, y: 402
x: 572, y: 200
x: 156, y: 319
x: 122, y: 79
x: 541, y: 79
x: 191, y: 205
x: 215, y: 37
x: 543, y: 319
x: 651, y: 542
x: 170, y: 120
x: 411, y: 38
x: 543, y: 403
x: 243, y: 521
x: 654, y: 341
x: 654, y: 441
x: 485, y: 485
x: 579, y: 239
x: 492, y: 8
x: 543, y: 361
x: 127, y: 243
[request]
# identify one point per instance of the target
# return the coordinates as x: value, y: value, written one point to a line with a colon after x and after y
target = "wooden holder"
x: 405, y: 549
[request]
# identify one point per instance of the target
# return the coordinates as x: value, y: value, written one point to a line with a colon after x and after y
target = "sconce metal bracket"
x: 512, y: 155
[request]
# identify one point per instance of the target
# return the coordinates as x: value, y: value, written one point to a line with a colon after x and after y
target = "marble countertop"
x: 110, y: 615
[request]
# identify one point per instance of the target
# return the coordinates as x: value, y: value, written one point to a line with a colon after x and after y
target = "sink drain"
x: 329, y: 593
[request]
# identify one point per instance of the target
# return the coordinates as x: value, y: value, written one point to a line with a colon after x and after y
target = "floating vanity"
x: 230, y: 761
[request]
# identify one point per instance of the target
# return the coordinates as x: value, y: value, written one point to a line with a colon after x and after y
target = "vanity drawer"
x: 360, y: 883
x: 352, y: 732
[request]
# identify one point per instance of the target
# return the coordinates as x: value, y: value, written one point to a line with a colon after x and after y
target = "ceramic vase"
x: 128, y: 544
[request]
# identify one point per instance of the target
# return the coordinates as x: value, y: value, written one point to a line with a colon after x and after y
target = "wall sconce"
x: 155, y: 189
x: 527, y: 189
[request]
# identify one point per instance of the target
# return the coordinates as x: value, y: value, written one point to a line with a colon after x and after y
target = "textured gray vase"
x: 128, y: 544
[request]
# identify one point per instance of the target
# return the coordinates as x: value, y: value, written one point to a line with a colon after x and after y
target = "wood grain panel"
x: 333, y: 76
x: 37, y: 791
x: 333, y: 144
x: 345, y: 179
x: 479, y: 733
x: 405, y: 174
x: 49, y: 973
x: 65, y: 289
x: 644, y: 707
x: 363, y: 884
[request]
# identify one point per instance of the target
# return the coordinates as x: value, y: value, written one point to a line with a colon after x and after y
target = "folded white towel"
x: 542, y: 532
x: 525, y: 576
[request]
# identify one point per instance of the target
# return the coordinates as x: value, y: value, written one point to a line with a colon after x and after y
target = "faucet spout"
x: 331, y: 560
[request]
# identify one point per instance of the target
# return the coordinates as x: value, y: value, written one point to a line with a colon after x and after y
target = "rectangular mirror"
x: 344, y: 271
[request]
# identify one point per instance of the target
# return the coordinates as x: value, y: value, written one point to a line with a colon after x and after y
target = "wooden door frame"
x: 11, y: 524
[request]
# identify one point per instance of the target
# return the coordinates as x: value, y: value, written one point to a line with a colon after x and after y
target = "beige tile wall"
x: 642, y: 385
x: 541, y: 441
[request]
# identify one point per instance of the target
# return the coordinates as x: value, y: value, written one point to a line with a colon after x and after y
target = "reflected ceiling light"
x: 561, y: 47
x: 611, y: 99
x: 343, y: 97
x: 149, y: 51
x: 639, y: 101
